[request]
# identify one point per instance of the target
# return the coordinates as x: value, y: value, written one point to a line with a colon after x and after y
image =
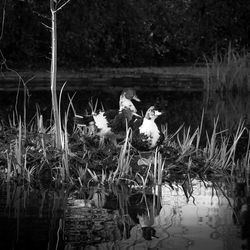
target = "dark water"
x: 175, y: 104
x: 213, y: 216
x: 179, y: 107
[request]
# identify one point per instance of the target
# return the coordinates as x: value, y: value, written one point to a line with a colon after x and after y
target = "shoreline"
x: 189, y: 78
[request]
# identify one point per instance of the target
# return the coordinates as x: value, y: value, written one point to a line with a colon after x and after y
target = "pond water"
x: 179, y: 107
x: 207, y: 213
x: 198, y: 214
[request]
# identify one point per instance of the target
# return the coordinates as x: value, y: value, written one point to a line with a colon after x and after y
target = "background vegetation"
x: 124, y: 32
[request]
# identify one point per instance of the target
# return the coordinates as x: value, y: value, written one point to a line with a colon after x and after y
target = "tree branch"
x: 46, y: 25
x: 59, y: 8
x: 52, y: 6
x: 41, y: 15
x: 3, y: 20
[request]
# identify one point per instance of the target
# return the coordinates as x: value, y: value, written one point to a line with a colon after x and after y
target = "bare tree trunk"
x: 57, y: 120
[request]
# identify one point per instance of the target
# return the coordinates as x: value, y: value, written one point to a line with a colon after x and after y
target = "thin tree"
x: 55, y: 6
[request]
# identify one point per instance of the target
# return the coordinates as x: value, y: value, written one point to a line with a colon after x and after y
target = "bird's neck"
x: 148, y: 125
x: 126, y: 103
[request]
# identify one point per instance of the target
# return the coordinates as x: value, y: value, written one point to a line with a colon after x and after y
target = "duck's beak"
x: 157, y: 113
x: 135, y: 114
x: 136, y: 98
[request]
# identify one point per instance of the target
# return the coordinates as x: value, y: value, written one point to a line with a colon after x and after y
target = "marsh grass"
x: 81, y: 174
x: 77, y: 162
x: 124, y: 158
x: 159, y: 165
x: 228, y: 72
x: 65, y: 149
x: 245, y: 163
x: 18, y: 149
x: 28, y: 173
x: 186, y: 143
x: 97, y: 178
x: 144, y: 179
x: 222, y: 155
x: 216, y: 153
x: 33, y: 140
x: 9, y: 163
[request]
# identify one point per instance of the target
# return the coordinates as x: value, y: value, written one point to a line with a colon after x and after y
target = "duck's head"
x: 130, y: 94
x: 152, y: 113
x: 125, y: 99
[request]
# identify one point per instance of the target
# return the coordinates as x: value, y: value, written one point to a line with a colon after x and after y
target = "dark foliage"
x: 124, y: 32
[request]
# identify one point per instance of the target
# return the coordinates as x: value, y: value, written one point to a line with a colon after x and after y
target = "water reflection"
x: 30, y: 217
x: 178, y: 107
x: 230, y: 109
x: 203, y: 222
x: 210, y: 215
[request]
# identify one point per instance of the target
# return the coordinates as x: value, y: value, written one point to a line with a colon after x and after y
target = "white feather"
x: 126, y: 103
x: 150, y: 129
x: 102, y: 124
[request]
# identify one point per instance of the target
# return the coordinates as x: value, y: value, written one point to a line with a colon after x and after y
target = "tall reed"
x: 19, y: 149
x: 186, y: 142
x: 9, y: 163
x: 229, y: 71
x: 159, y: 165
x: 124, y: 158
x: 219, y: 153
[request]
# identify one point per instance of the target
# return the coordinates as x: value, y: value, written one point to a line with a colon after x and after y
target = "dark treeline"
x: 124, y: 32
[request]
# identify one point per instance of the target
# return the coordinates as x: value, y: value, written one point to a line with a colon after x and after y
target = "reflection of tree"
x: 231, y: 111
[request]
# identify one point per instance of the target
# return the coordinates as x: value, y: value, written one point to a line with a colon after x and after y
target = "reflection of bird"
x: 112, y: 123
x: 146, y: 134
x: 143, y: 208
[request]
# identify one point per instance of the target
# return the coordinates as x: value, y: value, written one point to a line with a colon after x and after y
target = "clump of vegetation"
x: 30, y: 153
x: 229, y: 71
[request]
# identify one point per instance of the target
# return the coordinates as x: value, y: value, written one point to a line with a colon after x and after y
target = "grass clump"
x: 229, y: 72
